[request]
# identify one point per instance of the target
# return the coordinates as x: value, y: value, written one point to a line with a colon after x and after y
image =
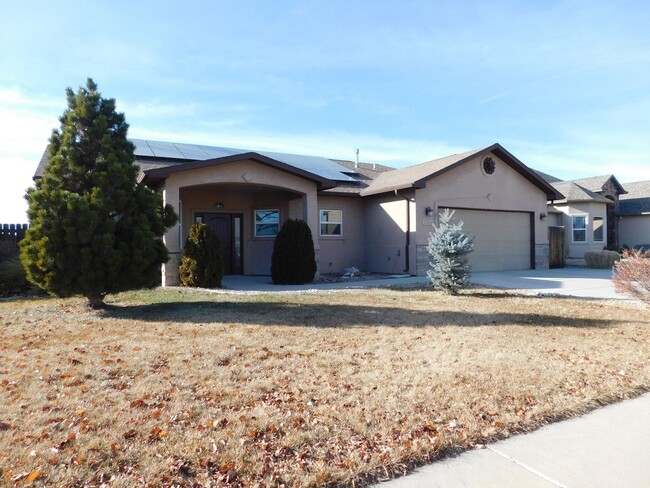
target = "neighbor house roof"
x: 637, y: 199
x: 576, y: 193
x: 598, y: 183
x: 417, y: 176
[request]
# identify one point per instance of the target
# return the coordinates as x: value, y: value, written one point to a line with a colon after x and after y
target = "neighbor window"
x: 267, y: 223
x: 579, y: 228
x: 598, y: 229
x: 331, y: 222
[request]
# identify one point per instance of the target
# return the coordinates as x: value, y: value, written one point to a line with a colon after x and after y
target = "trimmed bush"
x: 293, y: 261
x: 601, y: 259
x: 202, y: 262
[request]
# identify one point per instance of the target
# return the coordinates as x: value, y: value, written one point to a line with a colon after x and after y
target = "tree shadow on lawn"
x: 334, y: 315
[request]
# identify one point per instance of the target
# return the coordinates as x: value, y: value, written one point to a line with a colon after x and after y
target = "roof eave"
x: 391, y: 189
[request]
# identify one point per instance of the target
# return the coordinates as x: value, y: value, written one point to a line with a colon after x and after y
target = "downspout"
x: 408, y: 230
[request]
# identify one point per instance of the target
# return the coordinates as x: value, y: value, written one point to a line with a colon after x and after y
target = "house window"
x: 267, y: 223
x: 598, y: 229
x: 331, y: 222
x: 579, y: 228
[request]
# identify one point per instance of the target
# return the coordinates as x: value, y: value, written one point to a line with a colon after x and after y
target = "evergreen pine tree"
x: 449, y: 249
x: 93, y: 229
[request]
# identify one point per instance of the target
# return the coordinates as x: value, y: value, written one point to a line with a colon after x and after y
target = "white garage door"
x: 501, y: 239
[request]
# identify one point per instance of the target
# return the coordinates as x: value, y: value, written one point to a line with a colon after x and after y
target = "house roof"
x: 547, y: 177
x: 158, y: 154
x: 156, y: 175
x: 598, y: 183
x: 417, y: 176
x: 637, y: 199
x: 574, y: 192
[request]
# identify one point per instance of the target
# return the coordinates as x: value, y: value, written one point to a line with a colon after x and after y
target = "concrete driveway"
x: 571, y: 281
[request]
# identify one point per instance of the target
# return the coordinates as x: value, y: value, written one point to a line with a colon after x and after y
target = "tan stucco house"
x: 369, y: 216
x: 634, y: 212
x: 588, y: 212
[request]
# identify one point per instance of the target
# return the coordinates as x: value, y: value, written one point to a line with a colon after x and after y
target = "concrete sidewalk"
x: 606, y: 448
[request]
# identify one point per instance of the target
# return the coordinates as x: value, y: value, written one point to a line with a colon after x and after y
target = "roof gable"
x: 183, y: 153
x: 156, y: 175
x: 417, y: 176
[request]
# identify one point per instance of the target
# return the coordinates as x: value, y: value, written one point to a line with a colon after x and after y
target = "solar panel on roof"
x: 323, y: 167
x: 191, y: 151
x: 165, y: 150
x: 320, y: 166
x: 220, y: 152
x: 141, y: 148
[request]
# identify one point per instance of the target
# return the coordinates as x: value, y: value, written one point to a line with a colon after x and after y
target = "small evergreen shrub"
x: 601, y: 259
x: 449, y: 248
x: 202, y: 261
x: 293, y: 261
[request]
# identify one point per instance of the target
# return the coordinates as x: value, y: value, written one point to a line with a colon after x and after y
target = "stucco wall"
x: 385, y: 234
x: 634, y: 230
x: 242, y: 187
x: 338, y: 253
x: 591, y: 210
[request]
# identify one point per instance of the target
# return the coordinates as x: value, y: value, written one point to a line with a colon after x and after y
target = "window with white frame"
x: 331, y: 222
x: 579, y: 226
x: 267, y: 222
x: 599, y: 229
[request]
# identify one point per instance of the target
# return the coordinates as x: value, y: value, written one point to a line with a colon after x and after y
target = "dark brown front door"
x: 229, y: 229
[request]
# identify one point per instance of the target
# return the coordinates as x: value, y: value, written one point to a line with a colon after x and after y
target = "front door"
x: 229, y: 229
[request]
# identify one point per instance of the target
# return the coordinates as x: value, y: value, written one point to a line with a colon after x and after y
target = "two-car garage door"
x: 502, y: 240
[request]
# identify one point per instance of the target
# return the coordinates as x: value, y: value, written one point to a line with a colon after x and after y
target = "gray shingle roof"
x: 637, y: 200
x: 597, y: 183
x: 576, y: 193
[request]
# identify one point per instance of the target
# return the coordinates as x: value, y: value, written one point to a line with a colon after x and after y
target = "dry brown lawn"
x: 183, y: 387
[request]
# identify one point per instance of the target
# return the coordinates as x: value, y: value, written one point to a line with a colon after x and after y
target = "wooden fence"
x: 557, y: 251
x: 12, y: 232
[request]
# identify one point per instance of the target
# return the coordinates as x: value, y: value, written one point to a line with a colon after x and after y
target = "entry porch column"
x: 172, y: 238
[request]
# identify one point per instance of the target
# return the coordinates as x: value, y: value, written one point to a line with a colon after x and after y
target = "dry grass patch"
x: 329, y: 388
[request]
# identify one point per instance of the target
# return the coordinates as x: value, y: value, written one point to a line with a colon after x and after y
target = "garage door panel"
x: 501, y: 239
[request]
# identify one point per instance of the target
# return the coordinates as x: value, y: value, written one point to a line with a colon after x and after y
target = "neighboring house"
x: 369, y: 216
x: 634, y: 212
x: 588, y: 212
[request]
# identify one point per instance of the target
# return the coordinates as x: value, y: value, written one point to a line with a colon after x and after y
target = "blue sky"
x: 563, y: 85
